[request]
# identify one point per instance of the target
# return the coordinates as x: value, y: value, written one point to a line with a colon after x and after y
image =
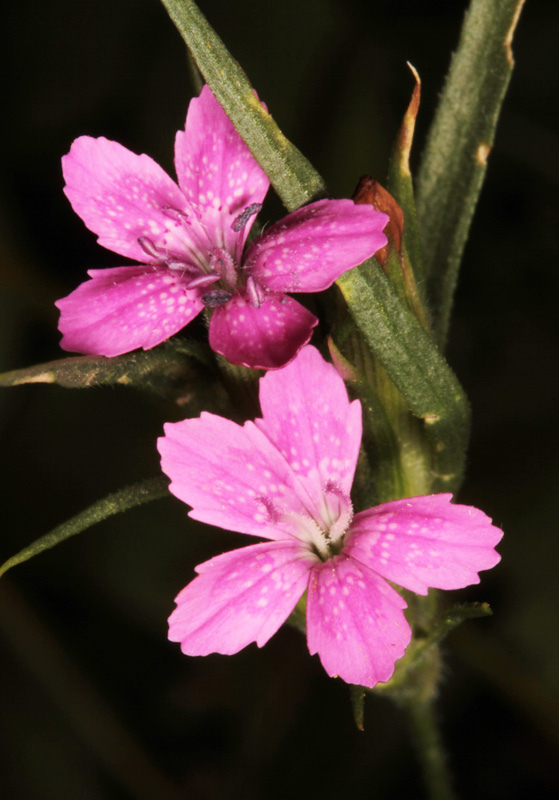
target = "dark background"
x: 94, y: 702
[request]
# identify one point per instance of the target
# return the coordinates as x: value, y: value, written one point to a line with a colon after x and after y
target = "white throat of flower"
x: 325, y: 529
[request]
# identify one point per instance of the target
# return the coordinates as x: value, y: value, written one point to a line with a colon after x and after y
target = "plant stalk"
x: 429, y: 750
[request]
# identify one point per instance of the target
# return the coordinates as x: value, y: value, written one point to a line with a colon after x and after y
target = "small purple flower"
x: 287, y: 478
x: 190, y: 239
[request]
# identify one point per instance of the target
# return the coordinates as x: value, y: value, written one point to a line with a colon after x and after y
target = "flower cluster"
x: 287, y: 478
x: 190, y: 240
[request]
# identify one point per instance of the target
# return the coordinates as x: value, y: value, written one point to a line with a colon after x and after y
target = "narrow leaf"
x: 459, y: 142
x: 139, y: 493
x: 453, y: 617
x: 292, y: 176
x: 421, y: 374
x: 159, y: 370
x: 447, y: 621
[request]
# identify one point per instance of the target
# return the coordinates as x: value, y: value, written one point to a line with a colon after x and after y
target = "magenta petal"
x: 232, y: 476
x: 216, y: 170
x: 307, y: 250
x: 267, y: 337
x: 122, y: 196
x: 240, y: 597
x: 307, y: 415
x: 124, y: 308
x: 355, y: 622
x: 424, y: 542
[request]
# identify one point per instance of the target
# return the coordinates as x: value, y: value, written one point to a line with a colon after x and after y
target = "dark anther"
x: 218, y: 297
x: 240, y: 221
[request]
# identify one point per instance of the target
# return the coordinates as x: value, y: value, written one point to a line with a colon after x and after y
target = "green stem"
x: 241, y: 385
x: 459, y: 142
x: 429, y: 749
x: 418, y: 370
x: 292, y: 176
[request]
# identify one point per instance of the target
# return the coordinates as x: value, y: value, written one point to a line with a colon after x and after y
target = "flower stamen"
x: 255, y: 293
x: 175, y: 214
x: 184, y: 267
x: 201, y: 281
x: 150, y: 248
x: 222, y: 263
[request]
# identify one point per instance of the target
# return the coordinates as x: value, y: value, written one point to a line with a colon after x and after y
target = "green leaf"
x: 292, y: 176
x: 451, y: 618
x: 459, y: 142
x: 419, y: 371
x: 161, y: 370
x: 139, y: 493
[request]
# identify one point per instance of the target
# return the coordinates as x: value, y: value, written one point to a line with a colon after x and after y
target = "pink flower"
x: 287, y: 478
x: 190, y: 240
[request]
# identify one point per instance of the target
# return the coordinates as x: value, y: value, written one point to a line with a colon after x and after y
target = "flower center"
x: 213, y: 267
x: 324, y: 528
x: 220, y: 269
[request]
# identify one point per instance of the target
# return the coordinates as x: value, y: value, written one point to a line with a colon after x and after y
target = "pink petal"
x: 122, y: 196
x: 307, y: 250
x: 240, y: 597
x: 424, y: 542
x: 307, y: 415
x: 355, y: 622
x: 217, y: 171
x: 124, y: 308
x: 232, y: 476
x: 262, y: 338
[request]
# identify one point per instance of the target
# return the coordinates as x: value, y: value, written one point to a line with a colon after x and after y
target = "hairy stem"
x: 429, y: 750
